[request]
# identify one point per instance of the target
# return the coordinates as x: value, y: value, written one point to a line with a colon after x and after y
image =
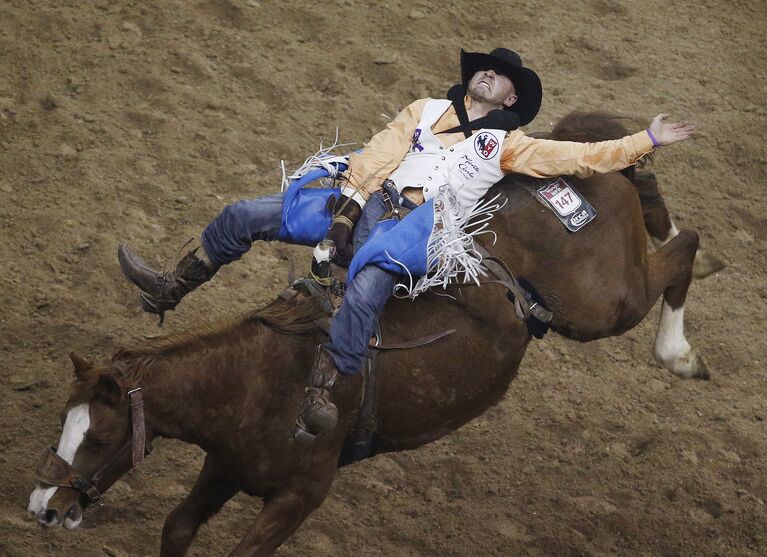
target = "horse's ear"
x: 109, y: 389
x: 82, y: 366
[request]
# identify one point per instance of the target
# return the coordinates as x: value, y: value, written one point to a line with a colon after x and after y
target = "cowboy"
x: 458, y: 146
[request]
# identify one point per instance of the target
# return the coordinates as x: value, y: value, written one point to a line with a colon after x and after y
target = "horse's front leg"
x: 671, y: 270
x: 208, y: 495
x: 281, y: 515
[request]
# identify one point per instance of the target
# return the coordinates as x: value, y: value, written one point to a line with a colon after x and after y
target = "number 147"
x: 564, y: 200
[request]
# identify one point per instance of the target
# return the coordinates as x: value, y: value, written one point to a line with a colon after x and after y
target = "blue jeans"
x: 365, y: 298
x: 231, y: 234
x: 234, y: 230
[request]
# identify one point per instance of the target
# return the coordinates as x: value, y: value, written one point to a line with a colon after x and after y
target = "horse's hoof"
x: 706, y: 264
x: 689, y: 366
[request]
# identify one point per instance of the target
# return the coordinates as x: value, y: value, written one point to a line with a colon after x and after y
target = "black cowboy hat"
x: 526, y: 82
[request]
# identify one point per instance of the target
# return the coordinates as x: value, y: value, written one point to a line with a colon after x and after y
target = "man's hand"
x: 666, y: 134
x: 346, y: 213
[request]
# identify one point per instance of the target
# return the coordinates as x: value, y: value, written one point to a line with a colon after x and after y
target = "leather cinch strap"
x: 505, y: 277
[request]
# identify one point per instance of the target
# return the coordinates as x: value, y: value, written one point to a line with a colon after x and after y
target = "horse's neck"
x: 187, y: 391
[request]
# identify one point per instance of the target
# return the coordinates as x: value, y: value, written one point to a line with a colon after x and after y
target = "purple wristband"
x: 652, y: 138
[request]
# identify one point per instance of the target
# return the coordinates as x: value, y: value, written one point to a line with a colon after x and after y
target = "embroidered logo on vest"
x: 468, y: 168
x: 485, y: 145
x: 414, y: 143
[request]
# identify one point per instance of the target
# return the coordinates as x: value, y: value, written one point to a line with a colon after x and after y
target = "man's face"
x: 490, y: 87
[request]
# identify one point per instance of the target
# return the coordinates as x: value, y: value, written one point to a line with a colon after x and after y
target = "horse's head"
x: 102, y: 438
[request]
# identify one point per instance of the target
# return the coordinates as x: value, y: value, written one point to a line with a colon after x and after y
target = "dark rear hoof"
x: 706, y: 264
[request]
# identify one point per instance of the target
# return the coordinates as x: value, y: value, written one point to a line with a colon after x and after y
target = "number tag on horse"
x: 567, y: 203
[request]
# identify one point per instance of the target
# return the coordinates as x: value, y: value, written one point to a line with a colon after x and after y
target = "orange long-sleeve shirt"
x: 541, y: 158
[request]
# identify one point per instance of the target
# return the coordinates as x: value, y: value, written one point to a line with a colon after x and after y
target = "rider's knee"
x: 370, y: 289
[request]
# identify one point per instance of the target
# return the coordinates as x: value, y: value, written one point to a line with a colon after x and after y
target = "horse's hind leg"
x: 208, y: 495
x: 661, y: 227
x: 670, y: 272
x: 657, y: 220
x: 282, y: 514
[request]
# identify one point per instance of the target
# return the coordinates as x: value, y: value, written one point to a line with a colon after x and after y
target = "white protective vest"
x: 469, y: 168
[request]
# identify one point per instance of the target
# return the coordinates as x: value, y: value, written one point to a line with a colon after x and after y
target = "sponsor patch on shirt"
x: 486, y: 145
x: 568, y: 204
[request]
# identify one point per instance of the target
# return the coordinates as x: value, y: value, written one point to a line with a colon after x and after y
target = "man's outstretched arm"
x: 544, y: 158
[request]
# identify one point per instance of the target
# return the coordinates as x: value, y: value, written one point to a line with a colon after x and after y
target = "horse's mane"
x: 132, y: 363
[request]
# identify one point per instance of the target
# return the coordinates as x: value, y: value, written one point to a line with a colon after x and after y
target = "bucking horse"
x: 234, y: 387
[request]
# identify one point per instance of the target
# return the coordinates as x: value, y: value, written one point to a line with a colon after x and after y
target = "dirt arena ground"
x: 138, y: 121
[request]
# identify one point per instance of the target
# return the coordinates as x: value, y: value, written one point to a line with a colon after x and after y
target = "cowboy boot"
x: 337, y: 246
x: 161, y: 291
x: 318, y: 413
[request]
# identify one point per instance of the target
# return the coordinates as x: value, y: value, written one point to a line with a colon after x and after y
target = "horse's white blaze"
x: 39, y: 499
x: 77, y: 423
x: 672, y: 233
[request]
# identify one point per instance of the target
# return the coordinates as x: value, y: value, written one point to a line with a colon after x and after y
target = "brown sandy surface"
x: 139, y: 120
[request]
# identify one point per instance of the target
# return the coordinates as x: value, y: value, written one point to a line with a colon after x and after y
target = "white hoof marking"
x: 672, y: 350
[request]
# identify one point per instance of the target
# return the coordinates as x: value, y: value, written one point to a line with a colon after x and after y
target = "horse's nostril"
x: 74, y: 514
x: 48, y: 517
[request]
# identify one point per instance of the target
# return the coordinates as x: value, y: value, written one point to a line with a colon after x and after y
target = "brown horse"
x: 234, y: 389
